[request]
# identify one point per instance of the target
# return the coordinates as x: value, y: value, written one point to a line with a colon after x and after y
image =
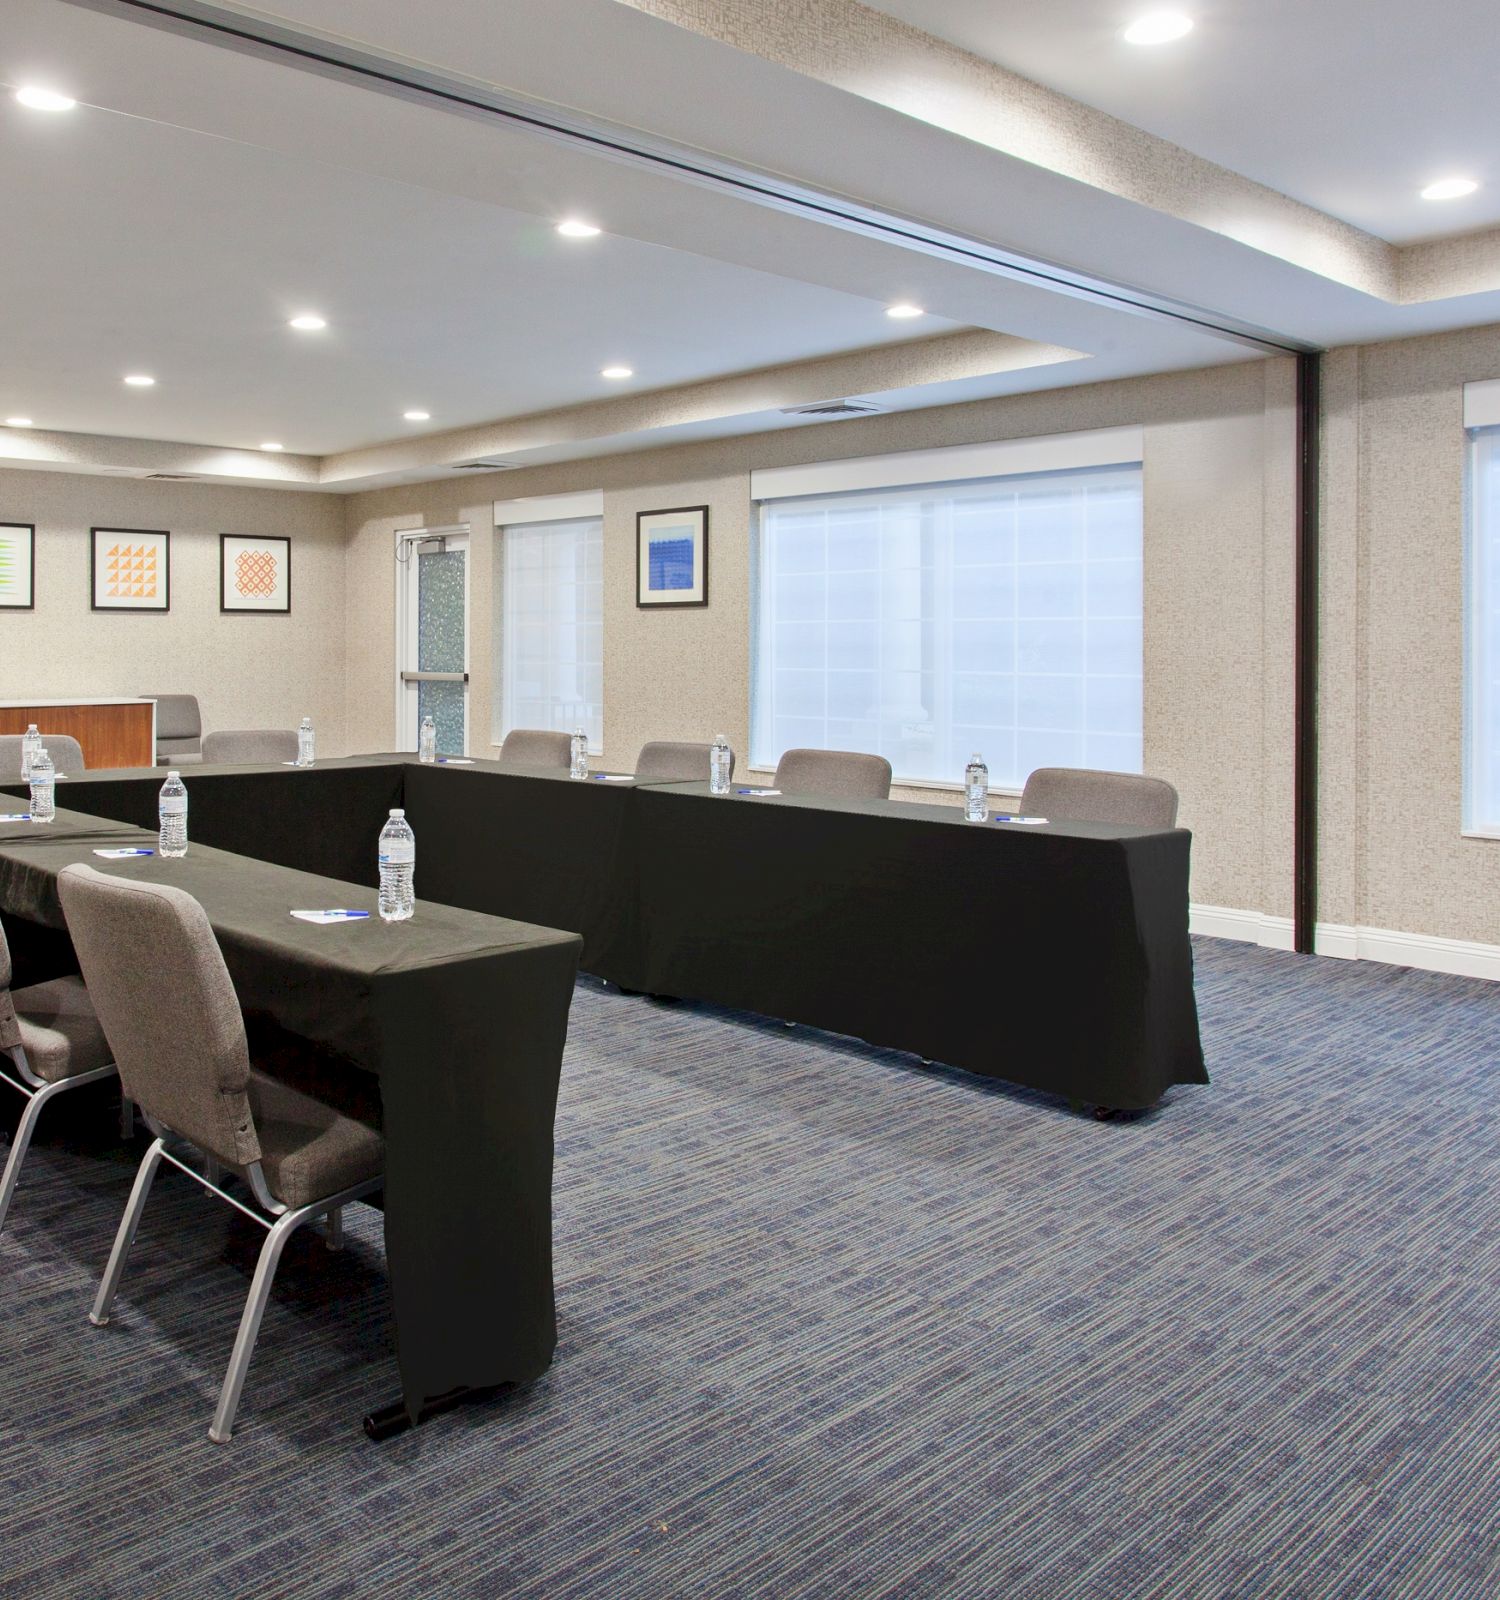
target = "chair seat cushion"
x: 59, y: 1031
x: 310, y: 1150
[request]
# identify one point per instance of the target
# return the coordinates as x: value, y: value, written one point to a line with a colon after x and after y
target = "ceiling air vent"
x: 832, y: 408
x: 170, y: 477
x: 485, y: 466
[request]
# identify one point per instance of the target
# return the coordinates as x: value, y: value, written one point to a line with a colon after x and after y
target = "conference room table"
x: 1054, y: 956
x: 461, y: 1017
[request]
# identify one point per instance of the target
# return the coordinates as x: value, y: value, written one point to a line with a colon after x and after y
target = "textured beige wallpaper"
x: 1417, y: 873
x: 248, y: 671
x: 1214, y: 502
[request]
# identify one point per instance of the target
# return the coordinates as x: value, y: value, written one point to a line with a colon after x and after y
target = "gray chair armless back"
x: 839, y: 774
x: 163, y: 996
x: 535, y: 747
x: 251, y: 744
x: 10, y: 1029
x: 675, y: 761
x: 65, y: 750
x: 1071, y: 794
x: 179, y: 726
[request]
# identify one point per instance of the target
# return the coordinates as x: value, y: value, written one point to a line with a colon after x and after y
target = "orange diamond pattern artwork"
x: 130, y: 572
x: 255, y: 573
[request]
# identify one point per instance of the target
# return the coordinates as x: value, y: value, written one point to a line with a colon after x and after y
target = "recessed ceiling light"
x: 44, y: 99
x: 417, y: 416
x: 308, y: 322
x: 1449, y: 189
x: 617, y: 372
x: 139, y: 380
x: 904, y: 309
x: 573, y: 228
x: 270, y: 444
x: 18, y: 422
x: 1158, y: 27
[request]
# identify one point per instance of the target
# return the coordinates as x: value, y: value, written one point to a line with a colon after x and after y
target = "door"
x: 432, y: 637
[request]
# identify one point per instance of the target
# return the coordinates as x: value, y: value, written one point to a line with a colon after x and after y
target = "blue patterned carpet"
x: 834, y: 1326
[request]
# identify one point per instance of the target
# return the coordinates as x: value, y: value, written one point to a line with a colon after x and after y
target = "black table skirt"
x: 1056, y: 957
x: 462, y: 1018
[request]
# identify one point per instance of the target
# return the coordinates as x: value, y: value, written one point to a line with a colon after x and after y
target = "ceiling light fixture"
x: 44, y: 99
x: 18, y: 422
x: 270, y: 444
x: 1449, y: 189
x: 139, y: 380
x: 617, y: 372
x: 1158, y: 27
x: 308, y: 322
x: 417, y: 416
x: 573, y: 228
x: 904, y: 309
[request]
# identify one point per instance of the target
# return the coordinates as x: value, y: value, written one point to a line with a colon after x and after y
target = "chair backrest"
x: 537, y: 747
x: 162, y: 993
x: 177, y: 716
x: 10, y: 1032
x: 65, y: 750
x: 1071, y: 794
x: 675, y: 761
x: 251, y: 744
x: 840, y: 774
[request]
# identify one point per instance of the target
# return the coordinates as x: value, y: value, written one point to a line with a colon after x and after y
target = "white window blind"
x: 1482, y: 719
x: 1002, y: 616
x: 553, y: 627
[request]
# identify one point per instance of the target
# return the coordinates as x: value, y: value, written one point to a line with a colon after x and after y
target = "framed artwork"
x: 255, y: 574
x: 17, y: 566
x: 131, y: 569
x: 671, y: 557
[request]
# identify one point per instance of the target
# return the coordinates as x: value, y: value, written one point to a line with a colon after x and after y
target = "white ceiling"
x: 1351, y: 106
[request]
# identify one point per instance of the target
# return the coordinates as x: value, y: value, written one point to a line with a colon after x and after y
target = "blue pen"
x: 351, y: 915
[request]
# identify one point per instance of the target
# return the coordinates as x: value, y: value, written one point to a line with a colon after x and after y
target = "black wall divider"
x: 1305, y: 770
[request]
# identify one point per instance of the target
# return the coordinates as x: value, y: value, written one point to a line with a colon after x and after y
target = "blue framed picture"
x: 671, y: 555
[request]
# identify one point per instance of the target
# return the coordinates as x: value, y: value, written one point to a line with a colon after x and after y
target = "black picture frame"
x: 29, y: 529
x: 128, y: 534
x: 699, y: 590
x: 255, y: 610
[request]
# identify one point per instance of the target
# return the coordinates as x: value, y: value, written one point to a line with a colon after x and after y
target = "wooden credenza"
x: 112, y: 732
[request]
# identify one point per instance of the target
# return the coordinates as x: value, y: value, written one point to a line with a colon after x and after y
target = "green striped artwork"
x: 15, y: 565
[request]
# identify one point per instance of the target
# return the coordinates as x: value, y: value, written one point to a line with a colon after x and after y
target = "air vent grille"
x: 833, y: 408
x: 485, y: 466
x: 170, y: 477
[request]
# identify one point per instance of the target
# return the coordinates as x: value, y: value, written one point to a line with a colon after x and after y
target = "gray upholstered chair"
x: 672, y: 761
x: 52, y: 1042
x: 1071, y: 794
x: 179, y: 730
x: 251, y: 744
x: 65, y: 750
x: 537, y: 747
x: 164, y: 995
x: 838, y: 774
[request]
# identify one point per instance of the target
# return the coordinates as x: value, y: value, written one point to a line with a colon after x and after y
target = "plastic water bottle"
x: 30, y: 743
x: 718, y: 765
x: 171, y: 811
x: 398, y: 869
x: 43, y: 786
x: 579, y: 766
x: 976, y: 789
x: 427, y: 742
x: 305, y: 743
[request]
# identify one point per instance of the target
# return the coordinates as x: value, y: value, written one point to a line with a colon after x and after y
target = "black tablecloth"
x: 1053, y: 956
x: 462, y: 1017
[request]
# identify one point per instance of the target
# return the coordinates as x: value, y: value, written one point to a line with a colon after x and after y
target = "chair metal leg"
x: 222, y: 1427
x: 99, y: 1316
x: 19, y: 1145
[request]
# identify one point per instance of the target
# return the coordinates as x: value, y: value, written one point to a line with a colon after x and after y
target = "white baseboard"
x: 1464, y: 958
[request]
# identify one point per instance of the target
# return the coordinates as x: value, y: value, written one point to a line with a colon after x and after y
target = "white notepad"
x: 330, y: 916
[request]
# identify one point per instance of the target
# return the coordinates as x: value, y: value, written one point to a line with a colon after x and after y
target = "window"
x: 925, y: 623
x: 553, y: 627
x: 1482, y: 721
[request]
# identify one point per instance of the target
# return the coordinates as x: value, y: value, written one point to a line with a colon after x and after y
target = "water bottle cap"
x: 171, y: 775
x: 398, y: 812
x: 977, y: 757
x: 31, y: 727
x: 720, y: 738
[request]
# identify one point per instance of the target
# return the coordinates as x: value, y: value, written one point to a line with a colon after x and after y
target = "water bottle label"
x: 174, y: 807
x: 397, y: 855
